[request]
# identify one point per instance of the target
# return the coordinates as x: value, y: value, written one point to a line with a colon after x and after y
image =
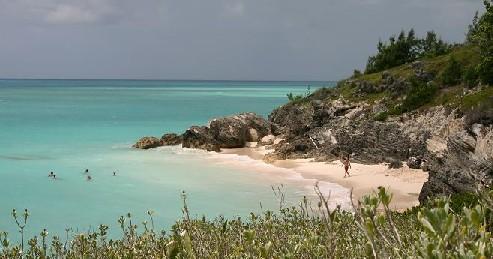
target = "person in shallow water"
x: 86, y: 171
x: 89, y: 178
x: 114, y: 173
x: 347, y: 165
x: 52, y: 175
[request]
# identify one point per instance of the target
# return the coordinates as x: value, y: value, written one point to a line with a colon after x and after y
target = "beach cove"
x: 67, y: 126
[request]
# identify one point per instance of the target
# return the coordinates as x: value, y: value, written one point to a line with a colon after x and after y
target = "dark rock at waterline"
x: 200, y: 137
x: 227, y: 132
x: 234, y: 131
x: 147, y: 142
x: 171, y: 139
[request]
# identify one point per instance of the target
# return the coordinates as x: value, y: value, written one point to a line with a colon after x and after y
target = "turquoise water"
x: 67, y: 126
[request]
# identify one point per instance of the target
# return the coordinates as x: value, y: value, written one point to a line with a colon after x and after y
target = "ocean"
x: 67, y: 126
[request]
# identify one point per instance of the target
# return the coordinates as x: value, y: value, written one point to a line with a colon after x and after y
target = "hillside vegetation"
x: 445, y: 228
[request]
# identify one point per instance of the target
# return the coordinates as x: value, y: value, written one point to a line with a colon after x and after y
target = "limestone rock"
x: 171, y: 139
x: 147, y: 142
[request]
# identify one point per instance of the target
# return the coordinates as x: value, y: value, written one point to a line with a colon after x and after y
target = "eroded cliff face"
x: 457, y: 156
x: 328, y: 130
x: 465, y: 164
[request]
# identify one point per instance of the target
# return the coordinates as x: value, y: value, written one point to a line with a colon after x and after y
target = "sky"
x: 211, y: 39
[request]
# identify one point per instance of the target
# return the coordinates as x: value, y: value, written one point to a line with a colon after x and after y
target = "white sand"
x: 404, y: 183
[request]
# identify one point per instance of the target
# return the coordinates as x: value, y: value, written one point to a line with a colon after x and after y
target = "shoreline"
x: 404, y: 183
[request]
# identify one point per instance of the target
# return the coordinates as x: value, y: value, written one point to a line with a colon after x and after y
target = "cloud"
x: 71, y: 14
x: 235, y: 9
x: 69, y: 11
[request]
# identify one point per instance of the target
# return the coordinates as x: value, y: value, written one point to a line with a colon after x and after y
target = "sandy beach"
x: 404, y: 183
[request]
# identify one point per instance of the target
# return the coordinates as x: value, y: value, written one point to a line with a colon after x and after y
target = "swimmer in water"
x: 86, y: 171
x: 114, y: 173
x: 89, y: 178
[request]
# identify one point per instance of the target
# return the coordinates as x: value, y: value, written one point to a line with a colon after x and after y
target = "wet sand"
x: 404, y: 183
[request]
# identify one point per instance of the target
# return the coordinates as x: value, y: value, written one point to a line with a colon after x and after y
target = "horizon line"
x: 135, y: 79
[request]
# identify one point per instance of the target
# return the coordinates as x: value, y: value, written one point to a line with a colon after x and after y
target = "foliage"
x: 452, y: 73
x: 482, y: 35
x: 420, y: 94
x: 294, y: 98
x: 381, y: 116
x: 470, y: 77
x: 299, y: 98
x: 479, y: 107
x: 405, y: 49
x: 356, y: 74
x: 372, y: 230
x: 473, y: 29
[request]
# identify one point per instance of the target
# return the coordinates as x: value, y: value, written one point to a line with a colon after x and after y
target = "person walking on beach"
x: 347, y: 165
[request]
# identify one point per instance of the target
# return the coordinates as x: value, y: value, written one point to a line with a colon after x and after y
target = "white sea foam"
x: 338, y: 194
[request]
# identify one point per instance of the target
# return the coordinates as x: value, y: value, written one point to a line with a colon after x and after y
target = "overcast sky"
x: 211, y: 39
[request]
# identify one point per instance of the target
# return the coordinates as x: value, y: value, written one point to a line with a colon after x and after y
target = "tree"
x: 452, y: 74
x: 405, y: 49
x: 473, y: 29
x: 484, y: 38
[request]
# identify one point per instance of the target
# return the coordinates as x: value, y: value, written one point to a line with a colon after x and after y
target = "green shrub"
x: 405, y: 49
x: 443, y: 229
x: 483, y: 36
x: 294, y: 98
x: 470, y: 78
x: 356, y: 74
x: 452, y: 73
x: 381, y: 116
x: 420, y: 94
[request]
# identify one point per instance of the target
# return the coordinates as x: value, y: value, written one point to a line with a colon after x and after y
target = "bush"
x: 294, y: 98
x: 483, y: 36
x: 381, y: 116
x: 370, y: 230
x: 470, y: 78
x: 482, y: 113
x: 420, y: 94
x: 405, y: 49
x: 356, y: 73
x: 452, y: 73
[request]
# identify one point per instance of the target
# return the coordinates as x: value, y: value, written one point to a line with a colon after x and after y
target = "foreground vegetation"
x: 446, y: 228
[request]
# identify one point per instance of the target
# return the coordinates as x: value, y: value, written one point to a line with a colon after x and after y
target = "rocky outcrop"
x: 171, y: 139
x: 327, y: 131
x: 200, y: 137
x: 148, y: 142
x: 464, y: 165
x: 234, y: 131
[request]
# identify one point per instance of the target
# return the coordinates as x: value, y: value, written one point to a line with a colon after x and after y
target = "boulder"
x: 227, y: 132
x: 235, y: 131
x: 171, y: 139
x: 395, y: 164
x: 268, y: 140
x: 147, y: 142
x: 414, y: 162
x: 201, y: 138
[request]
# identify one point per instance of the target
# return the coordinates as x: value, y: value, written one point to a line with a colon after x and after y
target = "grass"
x: 444, y: 228
x: 483, y: 96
